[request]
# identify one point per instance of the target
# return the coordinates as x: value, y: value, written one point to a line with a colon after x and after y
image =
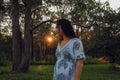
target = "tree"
x: 113, y: 44
x: 16, y: 35
x: 28, y: 36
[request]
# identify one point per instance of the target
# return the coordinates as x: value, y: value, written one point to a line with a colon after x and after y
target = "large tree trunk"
x: 16, y: 34
x: 24, y: 66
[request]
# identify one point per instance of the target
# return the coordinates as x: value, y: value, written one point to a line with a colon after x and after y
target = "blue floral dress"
x: 66, y: 59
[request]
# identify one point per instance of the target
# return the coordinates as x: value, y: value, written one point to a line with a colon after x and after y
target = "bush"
x: 91, y: 60
x: 42, y: 63
x: 3, y: 60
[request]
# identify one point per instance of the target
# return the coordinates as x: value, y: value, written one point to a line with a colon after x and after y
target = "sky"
x: 113, y: 3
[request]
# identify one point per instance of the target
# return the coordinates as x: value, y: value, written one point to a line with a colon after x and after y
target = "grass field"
x: 45, y: 72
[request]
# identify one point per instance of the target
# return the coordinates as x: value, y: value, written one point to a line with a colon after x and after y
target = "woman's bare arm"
x: 78, y: 71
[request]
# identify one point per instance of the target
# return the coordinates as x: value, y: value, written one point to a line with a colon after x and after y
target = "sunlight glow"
x: 49, y: 39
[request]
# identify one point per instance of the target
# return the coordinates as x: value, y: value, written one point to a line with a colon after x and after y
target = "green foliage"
x: 91, y: 60
x: 5, y: 50
x: 2, y: 60
x: 2, y: 8
x: 37, y: 2
x: 5, y: 44
x: 113, y: 50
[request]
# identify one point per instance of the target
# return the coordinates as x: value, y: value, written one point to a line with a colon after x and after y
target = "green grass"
x: 99, y: 72
x: 45, y: 72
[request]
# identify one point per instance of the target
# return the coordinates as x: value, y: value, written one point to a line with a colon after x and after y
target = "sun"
x: 49, y: 39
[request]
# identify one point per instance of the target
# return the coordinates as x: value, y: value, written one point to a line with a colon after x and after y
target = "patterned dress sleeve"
x: 78, y: 50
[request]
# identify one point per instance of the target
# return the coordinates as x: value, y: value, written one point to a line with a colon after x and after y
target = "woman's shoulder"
x: 76, y: 40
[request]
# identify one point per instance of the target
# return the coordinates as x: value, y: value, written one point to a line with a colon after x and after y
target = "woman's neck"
x: 65, y: 38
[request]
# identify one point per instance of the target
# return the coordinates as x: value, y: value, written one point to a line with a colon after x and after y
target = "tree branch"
x: 42, y: 23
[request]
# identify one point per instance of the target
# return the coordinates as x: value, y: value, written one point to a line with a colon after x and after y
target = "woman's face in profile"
x: 59, y: 30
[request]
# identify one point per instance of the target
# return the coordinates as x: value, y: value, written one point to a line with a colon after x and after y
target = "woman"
x: 69, y: 53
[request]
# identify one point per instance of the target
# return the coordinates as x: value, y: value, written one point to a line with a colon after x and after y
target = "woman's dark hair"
x: 66, y: 27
